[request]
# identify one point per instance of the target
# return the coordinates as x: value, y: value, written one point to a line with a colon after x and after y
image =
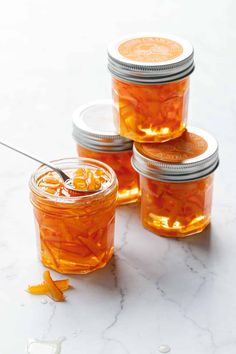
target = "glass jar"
x: 96, y: 137
x: 75, y: 233
x: 176, y: 183
x: 150, y: 86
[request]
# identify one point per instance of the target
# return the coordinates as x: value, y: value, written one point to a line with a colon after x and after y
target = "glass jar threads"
x: 96, y: 137
x: 176, y: 180
x: 75, y: 232
x: 150, y: 86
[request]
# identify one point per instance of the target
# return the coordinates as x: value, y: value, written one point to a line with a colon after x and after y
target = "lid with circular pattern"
x: 191, y: 156
x: 150, y: 58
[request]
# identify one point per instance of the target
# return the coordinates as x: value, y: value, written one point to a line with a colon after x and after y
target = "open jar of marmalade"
x: 150, y: 86
x: 176, y: 183
x: 97, y: 138
x: 75, y: 230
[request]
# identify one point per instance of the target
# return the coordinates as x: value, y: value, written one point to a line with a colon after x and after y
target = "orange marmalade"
x: 97, y: 138
x: 176, y: 180
x: 150, y: 86
x: 75, y: 230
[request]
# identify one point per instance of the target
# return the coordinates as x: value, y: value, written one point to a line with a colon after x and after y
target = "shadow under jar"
x: 75, y: 231
x: 150, y: 86
x: 97, y: 138
x: 176, y: 180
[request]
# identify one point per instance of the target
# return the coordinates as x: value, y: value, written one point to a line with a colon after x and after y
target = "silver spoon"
x: 67, y: 180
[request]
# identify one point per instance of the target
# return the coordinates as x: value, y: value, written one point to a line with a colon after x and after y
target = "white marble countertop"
x: 155, y: 291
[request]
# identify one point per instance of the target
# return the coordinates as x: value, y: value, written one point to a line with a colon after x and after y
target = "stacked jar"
x: 96, y: 137
x: 150, y: 86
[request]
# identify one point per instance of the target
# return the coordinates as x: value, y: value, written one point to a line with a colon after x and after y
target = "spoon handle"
x: 61, y: 173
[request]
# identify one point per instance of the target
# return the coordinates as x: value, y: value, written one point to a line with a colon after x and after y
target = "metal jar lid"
x: 187, y: 170
x: 93, y: 128
x: 151, y: 72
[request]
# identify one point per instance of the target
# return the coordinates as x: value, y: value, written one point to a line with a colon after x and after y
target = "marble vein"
x: 49, y: 325
x: 122, y: 293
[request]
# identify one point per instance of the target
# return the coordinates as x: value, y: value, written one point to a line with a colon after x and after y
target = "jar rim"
x: 90, y: 135
x: 151, y: 72
x: 188, y: 170
x: 68, y: 162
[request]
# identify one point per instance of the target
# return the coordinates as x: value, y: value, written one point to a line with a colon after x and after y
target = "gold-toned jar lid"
x: 192, y: 156
x: 94, y: 128
x: 150, y: 58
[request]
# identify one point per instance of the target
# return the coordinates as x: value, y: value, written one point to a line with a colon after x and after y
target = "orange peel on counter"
x: 52, y: 288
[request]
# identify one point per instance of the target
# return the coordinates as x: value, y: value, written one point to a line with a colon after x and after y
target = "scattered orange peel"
x: 41, y: 289
x: 50, y: 287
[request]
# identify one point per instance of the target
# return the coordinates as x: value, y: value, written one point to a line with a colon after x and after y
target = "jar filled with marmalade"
x: 176, y: 180
x: 75, y: 230
x: 97, y: 138
x: 150, y: 86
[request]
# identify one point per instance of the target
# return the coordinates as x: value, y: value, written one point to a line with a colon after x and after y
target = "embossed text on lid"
x: 150, y: 49
x: 187, y: 146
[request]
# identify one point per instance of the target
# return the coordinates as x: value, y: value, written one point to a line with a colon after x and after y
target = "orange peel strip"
x: 53, y: 291
x: 42, y: 289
